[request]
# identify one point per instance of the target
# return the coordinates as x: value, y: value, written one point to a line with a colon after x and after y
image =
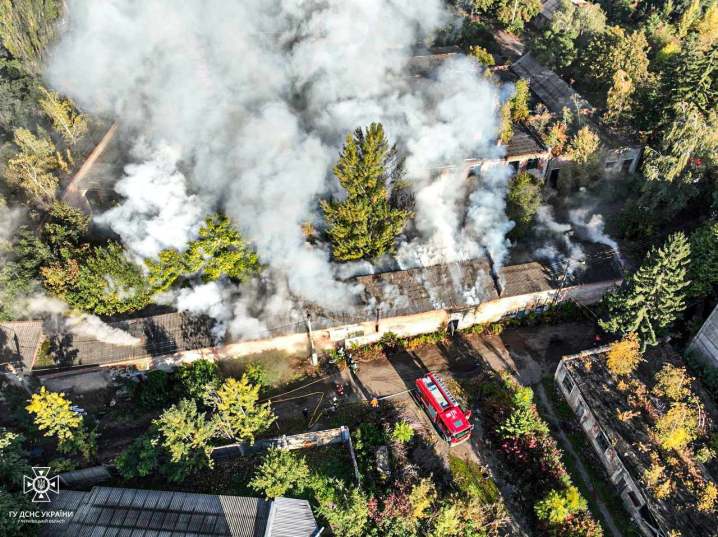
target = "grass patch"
x: 602, y: 487
x: 276, y: 367
x: 470, y: 479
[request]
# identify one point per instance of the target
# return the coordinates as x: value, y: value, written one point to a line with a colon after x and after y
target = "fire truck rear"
x: 443, y: 409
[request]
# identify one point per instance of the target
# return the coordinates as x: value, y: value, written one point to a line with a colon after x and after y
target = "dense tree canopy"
x: 612, y: 50
x: 219, y: 249
x: 26, y: 29
x: 366, y: 224
x: 522, y: 201
x: 650, y: 300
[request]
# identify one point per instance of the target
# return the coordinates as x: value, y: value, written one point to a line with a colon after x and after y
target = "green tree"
x: 676, y: 170
x: 481, y: 55
x: 703, y: 269
x: 694, y: 77
x: 194, y: 379
x: 651, y: 299
x: 26, y: 29
x: 344, y: 508
x: 403, y: 432
x: 557, y: 506
x: 14, y: 526
x: 18, y: 97
x: 66, y: 118
x: 569, y: 30
x: 584, y: 146
x: 185, y: 437
x: 281, y: 471
x: 141, y: 458
x: 13, y: 465
x: 514, y: 13
x: 65, y: 230
x: 103, y: 282
x: 614, y: 49
x: 238, y: 414
x: 447, y: 522
x: 367, y: 223
x: 520, y: 101
x: 522, y: 201
x: 31, y: 168
x: 220, y: 249
x: 619, y: 99
x: 19, y: 267
x: 506, y: 126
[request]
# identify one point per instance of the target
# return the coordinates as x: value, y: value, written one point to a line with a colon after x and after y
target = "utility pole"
x: 563, y: 280
x: 315, y: 361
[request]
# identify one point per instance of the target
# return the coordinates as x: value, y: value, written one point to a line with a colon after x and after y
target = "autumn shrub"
x: 558, y: 505
x: 155, y: 391
x: 624, y: 356
x: 678, y: 427
x: 402, y: 432
x: 281, y: 471
x: 672, y: 383
x: 193, y: 378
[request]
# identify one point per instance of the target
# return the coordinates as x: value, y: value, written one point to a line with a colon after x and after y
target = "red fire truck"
x: 443, y: 410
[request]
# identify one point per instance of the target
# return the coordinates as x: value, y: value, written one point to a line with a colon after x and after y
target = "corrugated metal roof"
x: 524, y: 144
x: 159, y: 335
x: 291, y: 518
x: 431, y: 288
x: 555, y: 93
x: 19, y: 341
x: 66, y: 500
x: 110, y: 512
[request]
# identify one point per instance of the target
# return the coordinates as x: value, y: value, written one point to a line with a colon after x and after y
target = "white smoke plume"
x: 90, y: 326
x: 252, y: 100
x: 93, y: 327
x: 559, y: 247
x: 158, y: 213
x: 593, y: 229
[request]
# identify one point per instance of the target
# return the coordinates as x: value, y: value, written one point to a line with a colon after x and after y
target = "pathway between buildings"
x: 569, y: 449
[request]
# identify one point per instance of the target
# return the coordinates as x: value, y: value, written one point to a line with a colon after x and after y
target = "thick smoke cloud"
x: 254, y: 98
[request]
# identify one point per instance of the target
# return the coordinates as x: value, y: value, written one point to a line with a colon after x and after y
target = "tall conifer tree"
x: 366, y: 224
x: 651, y: 299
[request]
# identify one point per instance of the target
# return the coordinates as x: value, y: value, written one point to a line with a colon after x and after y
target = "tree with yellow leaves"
x: 708, y: 25
x: 238, y: 414
x: 677, y: 427
x: 624, y: 356
x: 619, y: 98
x: 53, y: 413
x: 673, y: 383
x: 30, y: 169
x: 66, y: 117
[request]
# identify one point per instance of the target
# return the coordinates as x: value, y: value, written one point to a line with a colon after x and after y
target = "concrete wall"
x: 405, y: 326
x: 609, y: 458
x: 613, y: 161
x: 705, y: 344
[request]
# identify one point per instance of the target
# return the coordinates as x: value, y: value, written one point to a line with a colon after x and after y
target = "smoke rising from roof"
x: 254, y: 99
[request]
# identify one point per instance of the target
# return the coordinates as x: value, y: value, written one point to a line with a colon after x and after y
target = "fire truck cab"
x: 443, y: 409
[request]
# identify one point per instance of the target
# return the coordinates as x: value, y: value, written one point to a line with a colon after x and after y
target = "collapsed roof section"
x: 632, y: 438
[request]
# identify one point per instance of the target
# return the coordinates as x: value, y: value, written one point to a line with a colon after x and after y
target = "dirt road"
x: 530, y: 353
